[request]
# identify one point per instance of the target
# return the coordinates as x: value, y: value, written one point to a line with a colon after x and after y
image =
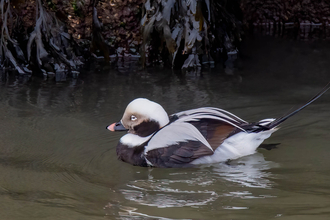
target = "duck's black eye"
x: 133, y: 118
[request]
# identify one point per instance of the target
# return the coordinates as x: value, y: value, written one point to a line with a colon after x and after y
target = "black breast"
x: 132, y: 155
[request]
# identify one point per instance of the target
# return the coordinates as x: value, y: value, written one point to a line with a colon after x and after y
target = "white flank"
x: 228, y: 113
x: 266, y: 121
x: 203, y: 116
x: 132, y: 140
x: 238, y: 145
x: 174, y: 134
x: 148, y: 162
x: 211, y: 111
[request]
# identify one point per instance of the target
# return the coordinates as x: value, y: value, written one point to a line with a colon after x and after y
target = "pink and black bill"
x: 116, y: 127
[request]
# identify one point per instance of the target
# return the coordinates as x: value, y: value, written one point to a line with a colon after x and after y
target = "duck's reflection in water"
x: 200, y: 186
x: 251, y: 171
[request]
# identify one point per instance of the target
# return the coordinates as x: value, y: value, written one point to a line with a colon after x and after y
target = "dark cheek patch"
x: 146, y: 128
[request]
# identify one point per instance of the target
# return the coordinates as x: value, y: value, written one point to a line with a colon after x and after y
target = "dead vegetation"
x: 48, y: 50
x: 7, y: 43
x: 190, y: 30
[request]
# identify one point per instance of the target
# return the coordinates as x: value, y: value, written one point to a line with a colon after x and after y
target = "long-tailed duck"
x: 197, y: 136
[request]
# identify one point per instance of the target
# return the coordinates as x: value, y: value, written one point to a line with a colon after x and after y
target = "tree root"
x: 49, y: 48
x: 53, y: 51
x: 6, y: 41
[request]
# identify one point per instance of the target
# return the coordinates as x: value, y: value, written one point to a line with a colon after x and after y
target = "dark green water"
x: 57, y: 160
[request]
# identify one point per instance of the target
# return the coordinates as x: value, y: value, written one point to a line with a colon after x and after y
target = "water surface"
x: 57, y: 160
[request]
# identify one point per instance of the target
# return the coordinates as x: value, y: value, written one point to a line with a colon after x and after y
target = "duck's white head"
x: 142, y: 117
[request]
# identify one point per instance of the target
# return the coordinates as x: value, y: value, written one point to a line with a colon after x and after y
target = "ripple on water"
x: 203, y: 185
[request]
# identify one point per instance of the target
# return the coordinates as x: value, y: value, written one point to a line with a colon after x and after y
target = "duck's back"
x: 191, y: 135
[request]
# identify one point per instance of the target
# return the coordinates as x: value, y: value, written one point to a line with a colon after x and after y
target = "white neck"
x: 133, y: 140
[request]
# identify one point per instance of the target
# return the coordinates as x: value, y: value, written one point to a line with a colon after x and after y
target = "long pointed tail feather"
x: 285, y: 117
